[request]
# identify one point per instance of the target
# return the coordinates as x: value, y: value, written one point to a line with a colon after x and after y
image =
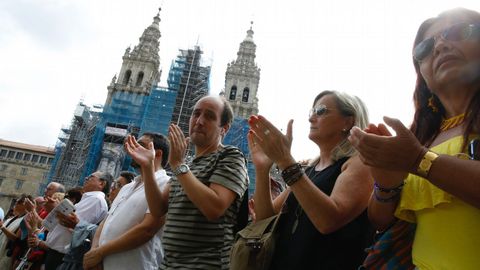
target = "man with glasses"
x: 93, y: 207
x: 124, y: 179
x: 129, y: 238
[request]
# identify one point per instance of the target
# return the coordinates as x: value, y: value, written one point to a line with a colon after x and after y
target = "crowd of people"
x: 363, y: 182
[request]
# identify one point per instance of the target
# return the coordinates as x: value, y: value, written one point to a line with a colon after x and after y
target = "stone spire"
x: 140, y: 67
x: 242, y: 78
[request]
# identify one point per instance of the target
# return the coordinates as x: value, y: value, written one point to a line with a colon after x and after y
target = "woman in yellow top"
x: 442, y: 192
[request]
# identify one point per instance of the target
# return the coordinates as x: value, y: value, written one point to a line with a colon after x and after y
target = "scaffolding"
x: 237, y: 136
x: 128, y: 113
x: 158, y: 111
x: 94, y: 140
x: 73, y: 146
x: 190, y: 79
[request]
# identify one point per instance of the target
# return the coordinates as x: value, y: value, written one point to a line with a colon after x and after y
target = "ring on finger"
x: 266, y: 132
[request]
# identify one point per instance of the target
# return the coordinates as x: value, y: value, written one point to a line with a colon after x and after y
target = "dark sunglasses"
x: 474, y: 149
x: 318, y: 111
x: 456, y: 32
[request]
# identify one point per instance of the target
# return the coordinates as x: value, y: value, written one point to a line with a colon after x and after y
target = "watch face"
x: 183, y: 168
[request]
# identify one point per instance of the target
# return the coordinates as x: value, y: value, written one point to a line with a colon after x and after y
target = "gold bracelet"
x: 426, y: 163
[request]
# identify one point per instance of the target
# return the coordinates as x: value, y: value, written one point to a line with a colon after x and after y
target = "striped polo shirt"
x: 190, y: 240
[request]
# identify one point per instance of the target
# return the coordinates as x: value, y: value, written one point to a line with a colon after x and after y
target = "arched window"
x: 139, y: 78
x: 245, y: 95
x: 126, y: 77
x: 233, y: 92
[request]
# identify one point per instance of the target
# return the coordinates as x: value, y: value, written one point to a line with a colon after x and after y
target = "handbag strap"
x: 276, y: 221
x: 252, y: 258
x: 242, y: 214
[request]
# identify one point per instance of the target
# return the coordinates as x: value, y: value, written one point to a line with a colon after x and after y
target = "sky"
x: 54, y: 53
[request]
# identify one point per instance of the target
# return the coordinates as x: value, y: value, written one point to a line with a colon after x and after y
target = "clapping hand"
x: 259, y: 158
x: 31, y: 221
x: 378, y: 148
x: 178, y: 146
x: 271, y: 140
x: 29, y: 205
x: 143, y: 156
x: 384, y: 177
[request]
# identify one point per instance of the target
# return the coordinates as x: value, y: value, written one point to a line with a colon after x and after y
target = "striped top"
x: 190, y: 240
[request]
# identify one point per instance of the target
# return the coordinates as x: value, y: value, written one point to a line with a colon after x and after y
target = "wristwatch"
x: 425, y: 164
x: 183, y: 168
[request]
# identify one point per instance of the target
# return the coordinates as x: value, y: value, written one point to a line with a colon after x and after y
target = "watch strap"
x: 426, y: 163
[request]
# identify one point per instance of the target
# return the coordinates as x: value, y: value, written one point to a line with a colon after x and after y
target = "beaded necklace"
x: 452, y: 122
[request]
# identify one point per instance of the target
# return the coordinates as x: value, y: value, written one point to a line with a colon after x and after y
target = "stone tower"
x: 241, y: 79
x: 140, y: 67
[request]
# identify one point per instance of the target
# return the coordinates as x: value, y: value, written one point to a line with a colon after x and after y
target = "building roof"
x: 29, y: 147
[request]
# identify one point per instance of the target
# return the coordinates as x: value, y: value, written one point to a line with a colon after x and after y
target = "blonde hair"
x: 348, y: 105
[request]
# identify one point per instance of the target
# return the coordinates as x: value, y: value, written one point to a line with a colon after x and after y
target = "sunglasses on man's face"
x: 456, y: 32
x: 90, y: 177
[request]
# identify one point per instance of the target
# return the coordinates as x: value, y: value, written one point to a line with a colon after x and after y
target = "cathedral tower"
x: 242, y: 78
x: 140, y: 67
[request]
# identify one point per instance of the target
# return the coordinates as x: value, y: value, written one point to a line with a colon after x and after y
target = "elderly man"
x: 129, y: 238
x: 204, y: 196
x: 52, y: 188
x: 92, y: 209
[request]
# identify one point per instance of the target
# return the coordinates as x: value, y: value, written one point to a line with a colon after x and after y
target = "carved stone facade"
x: 140, y: 67
x: 242, y: 78
x: 112, y: 158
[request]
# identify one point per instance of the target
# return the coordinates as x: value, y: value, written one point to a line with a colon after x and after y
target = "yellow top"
x: 448, y: 229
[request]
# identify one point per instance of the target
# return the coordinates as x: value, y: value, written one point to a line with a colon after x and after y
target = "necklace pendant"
x: 295, y: 224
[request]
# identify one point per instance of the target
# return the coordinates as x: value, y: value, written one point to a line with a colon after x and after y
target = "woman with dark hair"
x: 441, y: 190
x: 324, y: 224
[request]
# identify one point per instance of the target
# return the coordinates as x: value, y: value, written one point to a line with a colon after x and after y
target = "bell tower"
x: 140, y: 67
x: 242, y: 78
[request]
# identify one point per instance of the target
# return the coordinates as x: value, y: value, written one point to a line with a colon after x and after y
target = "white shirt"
x: 92, y: 208
x: 127, y: 210
x: 59, y: 238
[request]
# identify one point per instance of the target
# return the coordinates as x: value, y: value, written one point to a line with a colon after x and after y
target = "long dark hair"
x: 426, y: 123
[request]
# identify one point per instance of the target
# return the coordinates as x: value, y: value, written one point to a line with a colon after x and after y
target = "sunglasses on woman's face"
x: 456, y: 32
x: 318, y: 111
